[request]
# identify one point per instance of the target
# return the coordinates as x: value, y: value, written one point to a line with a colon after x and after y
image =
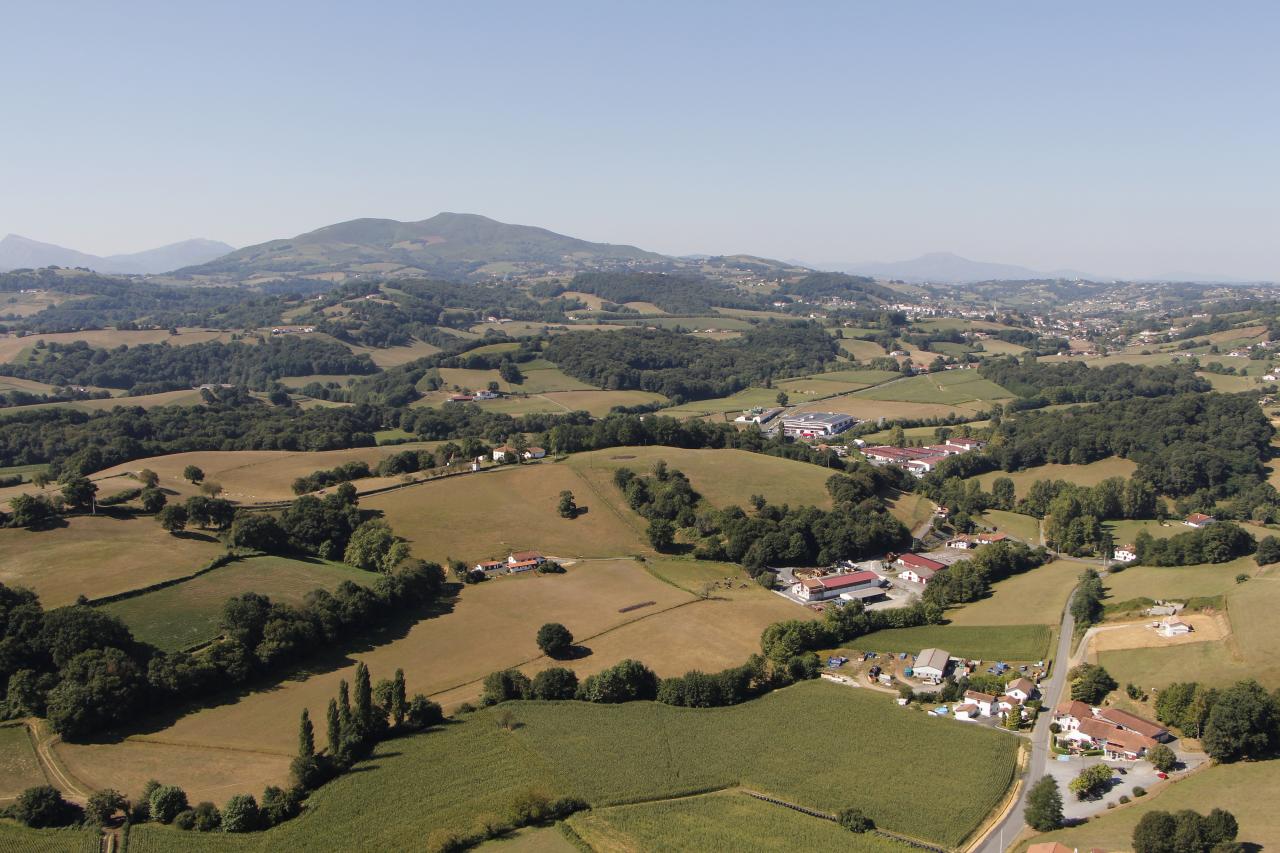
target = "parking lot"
x: 1125, y: 776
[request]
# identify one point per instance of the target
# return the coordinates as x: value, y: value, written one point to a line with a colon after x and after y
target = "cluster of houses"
x: 516, y: 562
x: 920, y: 460
x: 1118, y: 734
x: 965, y: 541
x: 293, y: 330
x: 976, y: 704
x: 471, y: 397
x: 506, y: 452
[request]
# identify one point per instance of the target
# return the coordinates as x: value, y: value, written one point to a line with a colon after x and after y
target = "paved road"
x: 1007, y: 830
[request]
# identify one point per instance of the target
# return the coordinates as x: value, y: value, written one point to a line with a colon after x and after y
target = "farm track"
x: 57, y: 776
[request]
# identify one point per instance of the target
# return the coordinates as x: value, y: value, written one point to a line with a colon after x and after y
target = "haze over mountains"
x: 17, y: 252
x: 945, y: 267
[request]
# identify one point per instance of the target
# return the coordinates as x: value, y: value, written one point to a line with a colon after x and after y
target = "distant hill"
x: 945, y: 267
x: 17, y: 252
x: 448, y: 244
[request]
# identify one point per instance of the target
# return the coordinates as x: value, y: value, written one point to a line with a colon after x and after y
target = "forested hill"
x: 150, y: 368
x: 687, y: 368
x: 1075, y: 382
x: 820, y: 286
x: 449, y: 245
x: 675, y: 294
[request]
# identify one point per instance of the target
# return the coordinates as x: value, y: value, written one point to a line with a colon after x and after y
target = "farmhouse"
x: 535, y: 453
x: 1198, y: 520
x: 1022, y: 689
x: 1070, y: 714
x: 1116, y: 743
x: 1132, y: 723
x: 967, y: 711
x: 490, y: 567
x: 1124, y: 554
x: 757, y: 416
x: 917, y: 569
x: 486, y: 395
x: 965, y: 444
x: 460, y: 398
x: 977, y: 540
x: 813, y: 424
x: 985, y: 702
x: 923, y: 465
x: 1172, y: 626
x: 503, y: 451
x: 855, y: 585
x: 931, y: 665
x: 523, y: 561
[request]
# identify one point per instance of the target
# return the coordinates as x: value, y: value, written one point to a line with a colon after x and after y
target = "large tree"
x: 1242, y: 724
x: 554, y: 639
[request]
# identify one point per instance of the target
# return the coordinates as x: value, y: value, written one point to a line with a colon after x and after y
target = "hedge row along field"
x: 983, y: 642
x: 457, y: 778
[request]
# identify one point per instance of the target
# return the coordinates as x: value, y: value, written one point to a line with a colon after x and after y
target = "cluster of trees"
x: 821, y: 286
x: 1217, y: 543
x: 345, y: 473
x: 675, y: 294
x: 148, y: 368
x: 1242, y: 721
x: 683, y: 368
x: 16, y: 397
x: 1214, y: 444
x: 1187, y: 831
x: 784, y: 642
x: 1076, y: 382
x: 971, y: 579
x: 1086, y: 604
x: 666, y: 498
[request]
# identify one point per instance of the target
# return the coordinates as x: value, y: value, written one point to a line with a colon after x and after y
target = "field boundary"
x: 884, y: 833
x: 216, y: 563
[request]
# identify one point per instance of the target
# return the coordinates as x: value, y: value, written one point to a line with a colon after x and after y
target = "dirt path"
x: 62, y: 779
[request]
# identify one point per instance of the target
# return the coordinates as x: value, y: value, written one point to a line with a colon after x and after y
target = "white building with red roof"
x: 917, y: 569
x: 855, y: 585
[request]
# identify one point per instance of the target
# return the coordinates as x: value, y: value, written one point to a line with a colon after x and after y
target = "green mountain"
x: 451, y: 245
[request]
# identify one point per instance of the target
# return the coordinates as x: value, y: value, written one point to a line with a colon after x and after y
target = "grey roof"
x: 827, y: 418
x: 933, y: 659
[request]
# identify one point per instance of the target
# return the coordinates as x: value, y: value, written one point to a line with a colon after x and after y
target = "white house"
x: 917, y: 569
x: 1124, y: 554
x: 1022, y: 689
x: 966, y: 711
x: 535, y: 453
x: 485, y: 395
x: 1172, y: 626
x: 1070, y: 714
x: 985, y: 702
x: 501, y: 453
x: 931, y: 665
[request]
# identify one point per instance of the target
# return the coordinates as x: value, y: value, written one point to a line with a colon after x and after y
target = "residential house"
x: 917, y: 569
x: 1133, y: 723
x: 490, y: 567
x: 985, y: 702
x: 931, y: 665
x: 1070, y: 714
x: 1116, y: 743
x: 1022, y: 689
x: 967, y: 711
x: 535, y: 453
x: 1172, y: 626
x: 486, y: 395
x: 503, y: 452
x: 854, y: 584
x: 1124, y: 554
x: 1198, y: 520
x: 1051, y: 847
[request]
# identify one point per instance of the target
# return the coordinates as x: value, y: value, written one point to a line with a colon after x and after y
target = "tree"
x: 306, y: 736
x: 1268, y: 551
x: 1242, y: 724
x: 662, y: 534
x: 567, y: 508
x: 1090, y: 683
x: 153, y: 500
x: 373, y: 547
x: 192, y: 474
x: 1044, y: 805
x: 148, y: 478
x: 423, y: 713
x: 31, y: 511
x: 1162, y: 758
x: 205, y: 817
x: 854, y: 820
x: 240, y: 814
x: 172, y: 518
x: 210, y: 488
x: 79, y: 492
x: 556, y: 682
x: 503, y: 685
x: 103, y: 805
x: 1002, y: 492
x: 43, y: 806
x: 554, y: 639
x: 333, y: 728
x: 1091, y: 782
x: 362, y: 707
x: 782, y: 398
x: 1154, y: 833
x: 166, y: 802
x: 398, y: 707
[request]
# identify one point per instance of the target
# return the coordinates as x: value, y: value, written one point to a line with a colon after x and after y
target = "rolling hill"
x: 944, y: 267
x: 447, y: 245
x: 17, y: 252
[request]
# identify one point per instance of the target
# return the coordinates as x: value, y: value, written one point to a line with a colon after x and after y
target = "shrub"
x: 103, y: 805
x: 240, y: 814
x: 167, y: 802
x: 207, y: 817
x: 43, y: 806
x: 1139, y: 791
x: 185, y: 820
x: 854, y: 820
x: 423, y: 713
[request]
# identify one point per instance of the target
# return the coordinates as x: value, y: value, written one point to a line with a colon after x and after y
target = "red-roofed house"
x: 1115, y: 742
x: 820, y: 589
x: 918, y: 569
x: 1198, y: 519
x: 1070, y: 714
x: 1132, y: 722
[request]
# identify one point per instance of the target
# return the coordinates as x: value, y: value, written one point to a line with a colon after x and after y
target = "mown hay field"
x: 939, y: 790
x: 869, y: 409
x: 539, y: 377
x: 19, y: 768
x: 99, y: 555
x: 15, y: 838
x: 863, y: 350
x: 1181, y: 582
x: 727, y: 821
x: 953, y: 386
x: 1035, y: 596
x: 1023, y: 527
x: 490, y: 626
x: 722, y: 477
x: 1249, y: 790
x: 596, y: 402
x: 188, y: 613
x: 1082, y: 475
x: 983, y: 642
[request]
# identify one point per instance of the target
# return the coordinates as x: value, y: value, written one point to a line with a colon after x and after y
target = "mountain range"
x: 448, y: 244
x: 17, y: 252
x: 948, y: 268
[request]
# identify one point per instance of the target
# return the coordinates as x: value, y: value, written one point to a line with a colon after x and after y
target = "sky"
x: 1124, y: 139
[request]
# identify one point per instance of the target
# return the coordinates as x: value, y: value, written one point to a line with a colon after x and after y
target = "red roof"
x: 1199, y: 518
x: 915, y: 561
x: 521, y: 556
x: 853, y: 579
x: 1132, y: 721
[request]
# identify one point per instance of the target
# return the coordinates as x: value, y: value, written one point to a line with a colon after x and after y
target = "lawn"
x: 1035, y: 596
x: 862, y: 350
x: 1229, y: 384
x: 727, y: 821
x: 940, y: 789
x: 722, y: 477
x: 186, y: 614
x: 954, y: 386
x: 19, y: 768
x: 928, y: 434
x: 97, y: 556
x: 867, y: 408
x: 1081, y: 475
x: 911, y: 509
x: 1002, y: 642
x: 1024, y: 527
x: 15, y: 838
x: 1249, y: 790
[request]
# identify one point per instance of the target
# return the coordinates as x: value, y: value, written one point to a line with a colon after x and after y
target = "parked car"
x: 1162, y: 775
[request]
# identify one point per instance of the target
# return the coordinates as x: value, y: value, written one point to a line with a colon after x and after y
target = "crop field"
x: 1002, y: 642
x: 869, y: 409
x: 453, y: 778
x: 1024, y: 527
x: 395, y: 356
x: 1249, y: 790
x: 954, y: 386
x: 1247, y: 653
x: 491, y: 626
x: 15, y: 838
x: 695, y: 323
x: 97, y: 556
x: 1229, y: 384
x: 183, y: 615
x: 596, y: 402
x: 718, y: 822
x: 1035, y: 596
x: 722, y: 477
x: 1081, y: 475
x: 19, y: 768
x: 862, y: 350
x: 480, y: 516
x: 994, y: 346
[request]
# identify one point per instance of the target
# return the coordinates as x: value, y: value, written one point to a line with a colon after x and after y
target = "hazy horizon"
x: 1131, y: 141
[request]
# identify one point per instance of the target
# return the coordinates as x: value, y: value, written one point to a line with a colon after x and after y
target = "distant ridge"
x: 17, y: 252
x: 448, y: 244
x: 948, y: 268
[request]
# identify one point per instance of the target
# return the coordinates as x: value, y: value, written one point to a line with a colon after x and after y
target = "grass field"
x: 1245, y: 654
x: 747, y: 398
x: 954, y: 386
x: 453, y: 778
x: 491, y: 626
x: 869, y: 409
x: 15, y: 838
x: 1081, y: 475
x: 19, y: 768
x: 595, y: 402
x: 1249, y: 790
x: 144, y: 401
x: 927, y: 434
x: 911, y: 509
x: 1024, y: 527
x: 11, y: 347
x: 183, y: 615
x: 722, y: 477
x: 1035, y: 596
x: 1002, y: 642
x: 1179, y: 582
x: 539, y: 377
x: 862, y: 350
x: 728, y: 821
x: 97, y: 556
x: 1229, y: 384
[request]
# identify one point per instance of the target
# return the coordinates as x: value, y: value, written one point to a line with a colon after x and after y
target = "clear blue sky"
x: 1133, y: 138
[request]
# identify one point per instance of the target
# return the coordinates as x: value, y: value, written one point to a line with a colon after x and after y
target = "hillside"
x: 448, y: 244
x: 17, y: 252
